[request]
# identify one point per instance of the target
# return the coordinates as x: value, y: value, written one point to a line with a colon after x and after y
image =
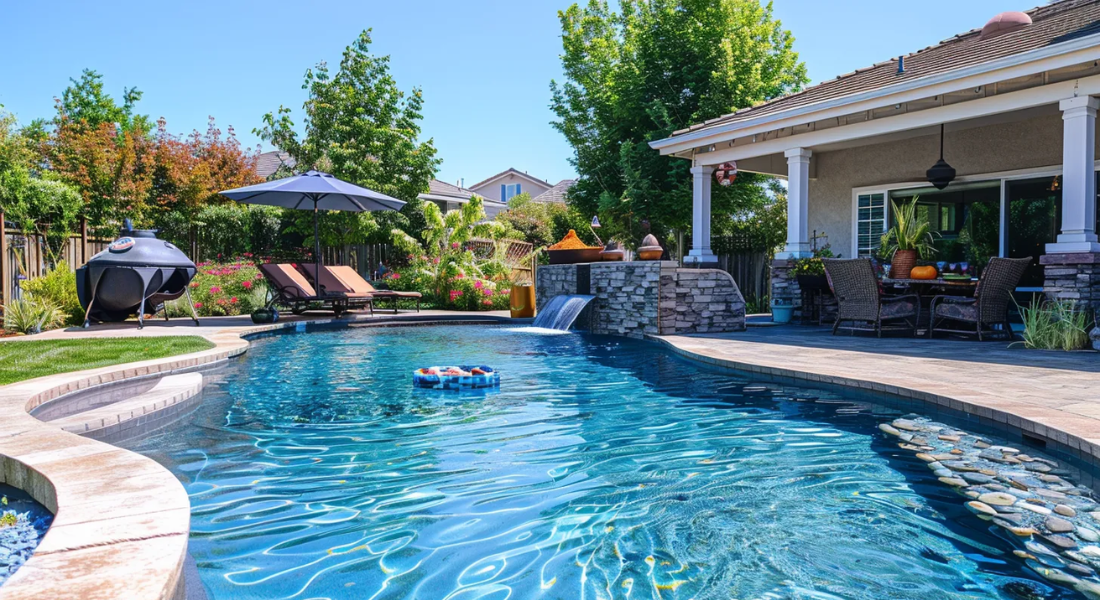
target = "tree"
x: 638, y: 75
x: 84, y: 103
x: 360, y: 127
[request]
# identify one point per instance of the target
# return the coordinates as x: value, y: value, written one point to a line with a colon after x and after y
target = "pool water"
x: 601, y: 468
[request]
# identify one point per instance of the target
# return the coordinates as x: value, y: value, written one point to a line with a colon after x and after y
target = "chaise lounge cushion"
x: 288, y: 281
x: 350, y: 279
x: 332, y: 284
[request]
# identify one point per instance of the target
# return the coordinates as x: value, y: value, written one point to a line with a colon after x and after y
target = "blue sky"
x: 484, y: 65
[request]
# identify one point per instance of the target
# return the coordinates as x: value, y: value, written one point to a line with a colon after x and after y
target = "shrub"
x: 1055, y: 325
x: 57, y: 288
x: 27, y: 315
x: 223, y: 289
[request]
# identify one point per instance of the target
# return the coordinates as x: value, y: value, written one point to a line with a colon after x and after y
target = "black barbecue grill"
x: 135, y: 271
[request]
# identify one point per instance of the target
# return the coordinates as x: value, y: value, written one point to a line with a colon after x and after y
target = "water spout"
x: 561, y: 311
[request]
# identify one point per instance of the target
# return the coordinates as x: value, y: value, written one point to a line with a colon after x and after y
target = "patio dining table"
x: 926, y: 289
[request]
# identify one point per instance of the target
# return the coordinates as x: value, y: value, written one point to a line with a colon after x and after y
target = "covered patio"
x: 1011, y: 107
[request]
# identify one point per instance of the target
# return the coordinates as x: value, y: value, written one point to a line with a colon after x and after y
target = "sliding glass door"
x: 1033, y: 211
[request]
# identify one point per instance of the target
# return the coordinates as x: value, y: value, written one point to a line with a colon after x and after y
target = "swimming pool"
x: 602, y: 467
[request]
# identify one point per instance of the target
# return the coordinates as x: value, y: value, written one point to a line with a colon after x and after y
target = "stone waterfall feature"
x: 642, y: 298
x: 561, y: 312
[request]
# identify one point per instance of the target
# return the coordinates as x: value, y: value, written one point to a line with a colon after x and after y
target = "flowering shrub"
x: 459, y: 285
x: 218, y: 289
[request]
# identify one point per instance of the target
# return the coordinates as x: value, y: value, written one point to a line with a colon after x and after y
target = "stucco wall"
x: 1003, y: 147
x: 492, y: 190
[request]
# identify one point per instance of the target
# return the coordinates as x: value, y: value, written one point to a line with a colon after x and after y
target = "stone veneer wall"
x: 642, y: 298
x: 1074, y: 277
x: 784, y: 286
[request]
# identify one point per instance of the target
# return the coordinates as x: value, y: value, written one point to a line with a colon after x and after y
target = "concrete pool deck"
x: 122, y: 521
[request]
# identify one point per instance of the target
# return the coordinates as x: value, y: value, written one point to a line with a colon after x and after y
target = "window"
x: 870, y: 222
x: 508, y: 191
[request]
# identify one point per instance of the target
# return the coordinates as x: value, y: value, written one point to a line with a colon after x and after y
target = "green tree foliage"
x: 638, y: 75
x: 362, y: 128
x: 84, y: 102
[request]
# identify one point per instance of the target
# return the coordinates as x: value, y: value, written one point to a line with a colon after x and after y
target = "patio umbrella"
x: 316, y: 190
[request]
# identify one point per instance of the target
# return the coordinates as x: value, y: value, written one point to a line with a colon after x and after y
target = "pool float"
x: 453, y: 378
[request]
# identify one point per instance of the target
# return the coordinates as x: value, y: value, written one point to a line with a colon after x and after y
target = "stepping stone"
x: 1065, y: 511
x: 1057, y: 525
x: 907, y: 425
x: 1049, y: 494
x: 1038, y: 467
x: 976, y: 478
x: 950, y: 438
x: 981, y: 509
x: 1015, y: 530
x: 954, y: 482
x: 998, y: 499
x: 889, y: 429
x: 1089, y: 535
x: 1061, y: 541
x: 1035, y: 508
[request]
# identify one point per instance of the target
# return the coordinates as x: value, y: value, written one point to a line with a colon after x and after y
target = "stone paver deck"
x: 1053, y: 396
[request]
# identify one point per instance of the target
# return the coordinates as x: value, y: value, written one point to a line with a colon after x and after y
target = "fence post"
x: 5, y: 276
x: 83, y: 240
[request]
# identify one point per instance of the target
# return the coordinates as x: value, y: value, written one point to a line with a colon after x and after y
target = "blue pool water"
x: 601, y: 468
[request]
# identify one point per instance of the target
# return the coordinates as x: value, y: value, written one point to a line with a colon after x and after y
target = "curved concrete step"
x: 145, y: 412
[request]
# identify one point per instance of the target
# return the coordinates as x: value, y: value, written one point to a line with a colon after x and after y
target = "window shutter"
x: 518, y: 190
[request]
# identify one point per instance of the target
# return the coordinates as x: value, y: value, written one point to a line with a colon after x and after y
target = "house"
x: 502, y: 186
x: 269, y: 162
x: 450, y: 197
x: 1012, y: 106
x: 556, y: 193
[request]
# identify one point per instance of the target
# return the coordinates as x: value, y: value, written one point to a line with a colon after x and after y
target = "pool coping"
x: 121, y: 520
x: 127, y: 536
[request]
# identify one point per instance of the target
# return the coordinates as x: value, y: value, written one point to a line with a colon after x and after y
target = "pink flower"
x: 259, y: 275
x: 435, y: 261
x: 247, y: 284
x: 215, y: 290
x: 410, y: 257
x: 221, y: 301
x: 454, y: 244
x: 488, y: 302
x: 198, y: 305
x: 487, y: 292
x: 397, y: 275
x: 478, y: 284
x: 460, y: 276
x: 233, y: 300
x: 194, y: 284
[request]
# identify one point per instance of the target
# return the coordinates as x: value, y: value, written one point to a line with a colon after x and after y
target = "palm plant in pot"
x: 909, y: 237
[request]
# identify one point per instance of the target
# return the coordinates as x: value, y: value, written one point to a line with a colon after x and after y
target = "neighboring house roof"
x: 269, y: 162
x: 556, y: 193
x: 1052, y: 24
x: 446, y: 192
x: 510, y: 172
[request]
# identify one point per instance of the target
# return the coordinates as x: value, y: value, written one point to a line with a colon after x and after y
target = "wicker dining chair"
x: 861, y: 302
x: 990, y: 303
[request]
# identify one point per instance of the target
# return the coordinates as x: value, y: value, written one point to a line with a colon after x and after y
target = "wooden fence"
x: 739, y: 256
x: 26, y: 256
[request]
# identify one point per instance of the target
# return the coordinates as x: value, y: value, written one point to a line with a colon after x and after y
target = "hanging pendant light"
x: 941, y: 174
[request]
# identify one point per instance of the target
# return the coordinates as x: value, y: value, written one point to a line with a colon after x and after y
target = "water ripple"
x: 602, y: 468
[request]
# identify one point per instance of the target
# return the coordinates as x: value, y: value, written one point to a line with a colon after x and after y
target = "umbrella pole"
x: 316, y: 249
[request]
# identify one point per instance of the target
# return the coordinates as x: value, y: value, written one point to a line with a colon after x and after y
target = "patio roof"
x: 1012, y: 60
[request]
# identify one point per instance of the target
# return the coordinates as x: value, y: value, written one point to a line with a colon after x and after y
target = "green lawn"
x: 21, y: 360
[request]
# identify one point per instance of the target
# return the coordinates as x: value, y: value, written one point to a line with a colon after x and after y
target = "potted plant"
x: 782, y: 310
x: 909, y: 237
x: 810, y: 271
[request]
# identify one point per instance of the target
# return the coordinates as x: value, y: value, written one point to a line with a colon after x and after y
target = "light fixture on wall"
x: 1056, y: 183
x: 941, y: 174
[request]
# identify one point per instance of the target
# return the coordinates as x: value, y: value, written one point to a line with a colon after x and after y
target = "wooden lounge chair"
x: 861, y: 302
x: 289, y: 288
x: 990, y: 303
x: 355, y: 284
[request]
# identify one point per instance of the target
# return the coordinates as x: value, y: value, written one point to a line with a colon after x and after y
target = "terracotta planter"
x: 902, y: 265
x: 522, y: 302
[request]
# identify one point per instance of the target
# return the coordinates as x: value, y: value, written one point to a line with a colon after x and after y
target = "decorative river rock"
x: 1028, y: 496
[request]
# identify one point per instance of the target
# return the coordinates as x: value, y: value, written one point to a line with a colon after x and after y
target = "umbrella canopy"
x: 317, y: 191
x: 314, y: 190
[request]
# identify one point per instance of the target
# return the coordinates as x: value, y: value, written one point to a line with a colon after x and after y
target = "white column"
x: 1078, y: 177
x: 798, y: 204
x: 700, y: 217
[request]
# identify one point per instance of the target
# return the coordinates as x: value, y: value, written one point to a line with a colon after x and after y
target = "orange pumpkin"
x: 928, y: 272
